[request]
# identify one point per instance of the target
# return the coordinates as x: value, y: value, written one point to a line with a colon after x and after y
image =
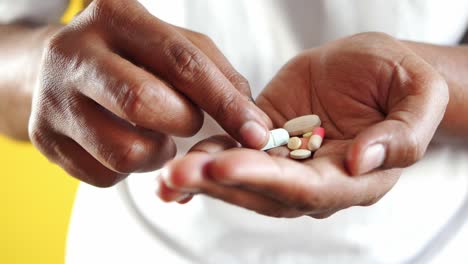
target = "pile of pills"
x: 302, y: 135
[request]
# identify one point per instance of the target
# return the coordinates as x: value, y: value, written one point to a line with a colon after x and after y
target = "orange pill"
x: 305, y: 142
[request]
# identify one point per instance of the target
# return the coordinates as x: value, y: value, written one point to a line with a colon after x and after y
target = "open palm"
x: 380, y: 105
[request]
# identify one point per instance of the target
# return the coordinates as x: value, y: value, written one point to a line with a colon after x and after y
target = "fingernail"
x: 373, y: 157
x: 182, y: 197
x: 164, y: 174
x: 253, y: 134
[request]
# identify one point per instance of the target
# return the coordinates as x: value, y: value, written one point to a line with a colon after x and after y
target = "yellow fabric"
x: 36, y: 200
x: 74, y: 7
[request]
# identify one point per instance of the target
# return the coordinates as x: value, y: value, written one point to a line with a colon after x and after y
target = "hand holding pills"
x: 379, y: 105
x: 301, y: 148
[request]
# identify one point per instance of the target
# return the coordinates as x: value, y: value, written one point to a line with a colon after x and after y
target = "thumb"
x: 402, y: 138
x: 390, y: 144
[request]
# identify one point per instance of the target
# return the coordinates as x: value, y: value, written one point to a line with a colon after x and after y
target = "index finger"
x: 167, y: 53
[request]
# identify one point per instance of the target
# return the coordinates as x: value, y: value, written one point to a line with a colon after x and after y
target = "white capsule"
x: 278, y: 137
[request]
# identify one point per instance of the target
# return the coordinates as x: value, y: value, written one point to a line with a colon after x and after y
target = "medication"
x: 294, y: 143
x: 307, y: 135
x: 315, y: 141
x: 301, y: 125
x: 305, y: 142
x: 300, y: 154
x: 278, y: 137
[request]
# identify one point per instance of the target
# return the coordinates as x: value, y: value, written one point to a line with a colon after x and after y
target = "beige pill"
x: 307, y: 135
x: 294, y: 143
x: 301, y: 125
x: 315, y: 142
x: 300, y: 154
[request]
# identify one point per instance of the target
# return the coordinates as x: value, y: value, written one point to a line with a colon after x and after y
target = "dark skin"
x: 116, y: 84
x: 79, y: 121
x: 369, y: 89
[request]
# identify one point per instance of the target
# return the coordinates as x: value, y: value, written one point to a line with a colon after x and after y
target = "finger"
x: 239, y: 82
x: 414, y: 115
x: 167, y: 53
x: 315, y: 186
x: 135, y: 95
x: 186, y: 200
x: 220, y: 143
x: 205, y: 44
x: 210, y: 145
x: 75, y: 160
x: 215, y: 144
x: 115, y: 143
x: 169, y: 195
x: 188, y: 174
x: 210, y: 49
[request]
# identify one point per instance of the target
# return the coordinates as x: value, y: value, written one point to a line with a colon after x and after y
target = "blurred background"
x: 36, y: 198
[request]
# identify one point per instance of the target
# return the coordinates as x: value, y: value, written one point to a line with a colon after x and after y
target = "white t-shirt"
x: 127, y: 224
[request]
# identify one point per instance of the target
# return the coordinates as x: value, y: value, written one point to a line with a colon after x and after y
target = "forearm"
x: 21, y: 49
x: 452, y: 64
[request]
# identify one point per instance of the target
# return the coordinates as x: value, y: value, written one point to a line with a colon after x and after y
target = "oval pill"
x: 278, y: 137
x: 307, y: 135
x: 300, y: 154
x: 301, y: 125
x: 294, y: 143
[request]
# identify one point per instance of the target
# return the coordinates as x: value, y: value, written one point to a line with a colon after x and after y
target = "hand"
x: 380, y: 105
x: 118, y: 82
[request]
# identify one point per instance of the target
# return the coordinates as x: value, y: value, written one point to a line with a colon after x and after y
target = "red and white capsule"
x: 315, y: 141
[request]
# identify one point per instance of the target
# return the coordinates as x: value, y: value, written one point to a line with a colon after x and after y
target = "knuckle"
x: 129, y: 99
x: 101, y: 4
x: 226, y: 106
x: 188, y: 63
x: 38, y: 137
x: 109, y: 14
x: 55, y: 50
x: 103, y: 8
x: 240, y: 82
x: 130, y: 158
x: 204, y: 38
x: 414, y: 150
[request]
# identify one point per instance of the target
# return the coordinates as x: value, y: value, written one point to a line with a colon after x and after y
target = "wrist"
x: 22, y: 51
x: 451, y: 63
